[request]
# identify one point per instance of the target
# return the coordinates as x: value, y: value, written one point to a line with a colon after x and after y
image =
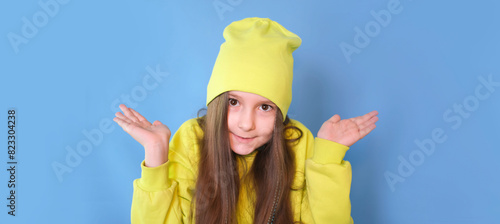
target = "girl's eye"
x: 266, y: 107
x: 233, y: 102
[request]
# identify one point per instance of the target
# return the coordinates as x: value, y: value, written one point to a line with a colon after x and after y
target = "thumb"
x: 335, y: 118
x: 156, y: 123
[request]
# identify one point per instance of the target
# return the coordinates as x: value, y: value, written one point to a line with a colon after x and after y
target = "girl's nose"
x: 246, y: 120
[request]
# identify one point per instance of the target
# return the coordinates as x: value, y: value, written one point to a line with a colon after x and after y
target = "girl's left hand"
x: 348, y: 131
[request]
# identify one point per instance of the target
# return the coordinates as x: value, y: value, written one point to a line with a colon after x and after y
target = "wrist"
x: 155, y: 156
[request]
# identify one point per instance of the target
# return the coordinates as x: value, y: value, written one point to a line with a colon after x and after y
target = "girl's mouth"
x: 243, y: 139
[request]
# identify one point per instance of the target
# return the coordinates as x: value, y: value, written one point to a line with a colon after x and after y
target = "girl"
x: 246, y: 161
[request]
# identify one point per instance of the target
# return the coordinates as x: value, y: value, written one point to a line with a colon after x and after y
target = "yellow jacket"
x: 163, y: 194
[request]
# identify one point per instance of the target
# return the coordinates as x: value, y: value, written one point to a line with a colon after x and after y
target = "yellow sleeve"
x: 328, y: 182
x: 163, y: 194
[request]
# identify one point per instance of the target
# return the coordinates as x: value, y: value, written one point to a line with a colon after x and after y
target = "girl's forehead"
x: 249, y: 96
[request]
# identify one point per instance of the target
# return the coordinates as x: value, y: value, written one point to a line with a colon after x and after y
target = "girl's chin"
x: 243, y: 152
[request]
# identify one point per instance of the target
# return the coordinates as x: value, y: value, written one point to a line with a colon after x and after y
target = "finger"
x: 124, y: 124
x: 362, y: 119
x: 365, y: 131
x: 372, y: 120
x: 128, y: 113
x: 129, y: 127
x: 335, y: 118
x: 138, y: 115
x: 121, y: 116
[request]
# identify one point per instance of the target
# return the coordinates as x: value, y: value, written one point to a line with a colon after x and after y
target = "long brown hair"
x: 218, y: 184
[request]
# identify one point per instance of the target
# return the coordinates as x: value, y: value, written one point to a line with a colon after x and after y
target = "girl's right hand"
x: 153, y: 137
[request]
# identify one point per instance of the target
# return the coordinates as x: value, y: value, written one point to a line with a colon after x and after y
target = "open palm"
x: 348, y: 131
x: 149, y: 135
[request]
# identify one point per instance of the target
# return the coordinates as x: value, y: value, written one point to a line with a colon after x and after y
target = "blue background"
x: 67, y: 77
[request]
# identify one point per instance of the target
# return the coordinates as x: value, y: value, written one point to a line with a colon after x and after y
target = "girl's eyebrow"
x: 265, y: 101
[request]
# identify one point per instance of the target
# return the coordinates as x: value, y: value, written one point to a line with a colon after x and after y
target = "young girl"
x: 246, y: 161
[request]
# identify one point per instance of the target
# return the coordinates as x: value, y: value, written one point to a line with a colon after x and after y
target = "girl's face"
x: 250, y: 121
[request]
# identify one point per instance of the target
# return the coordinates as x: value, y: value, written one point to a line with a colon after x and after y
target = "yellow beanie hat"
x: 256, y: 58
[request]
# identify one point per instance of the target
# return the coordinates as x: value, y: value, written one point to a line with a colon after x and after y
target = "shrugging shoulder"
x: 320, y: 192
